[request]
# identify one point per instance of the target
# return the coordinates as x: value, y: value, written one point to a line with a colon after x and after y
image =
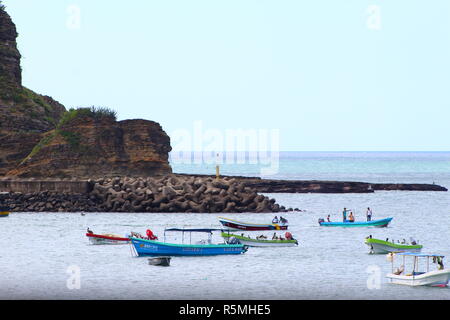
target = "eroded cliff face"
x: 10, y: 70
x: 33, y: 143
x: 89, y: 148
x: 24, y: 114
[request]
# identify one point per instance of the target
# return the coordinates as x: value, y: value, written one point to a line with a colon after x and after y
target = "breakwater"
x: 173, y: 193
x: 170, y: 193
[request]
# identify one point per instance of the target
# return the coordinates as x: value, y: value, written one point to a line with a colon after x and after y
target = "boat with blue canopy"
x: 145, y: 247
x: 381, y: 223
x: 417, y: 277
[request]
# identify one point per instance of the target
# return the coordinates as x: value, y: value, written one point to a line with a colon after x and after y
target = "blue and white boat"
x: 144, y: 247
x: 374, y: 223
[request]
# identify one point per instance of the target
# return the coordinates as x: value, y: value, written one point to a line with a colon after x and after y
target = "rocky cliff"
x: 40, y: 138
x: 92, y: 144
x: 24, y: 114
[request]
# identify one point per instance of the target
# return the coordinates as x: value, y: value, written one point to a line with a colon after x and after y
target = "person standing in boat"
x: 369, y: 214
x: 344, y: 215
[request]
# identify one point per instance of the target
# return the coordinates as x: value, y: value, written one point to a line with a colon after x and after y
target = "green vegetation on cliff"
x: 95, y: 113
x: 73, y: 139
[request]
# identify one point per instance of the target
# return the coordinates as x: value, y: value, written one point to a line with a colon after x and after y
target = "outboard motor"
x: 321, y: 220
x: 150, y: 235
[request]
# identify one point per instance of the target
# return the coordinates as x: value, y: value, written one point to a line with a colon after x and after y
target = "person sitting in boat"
x: 261, y: 237
x: 289, y: 236
x: 400, y: 270
x: 413, y: 242
x: 274, y: 237
x: 351, y: 218
x: 89, y: 231
x: 440, y: 263
x: 275, y: 220
x: 283, y: 220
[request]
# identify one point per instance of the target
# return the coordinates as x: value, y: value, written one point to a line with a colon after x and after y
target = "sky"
x: 322, y: 75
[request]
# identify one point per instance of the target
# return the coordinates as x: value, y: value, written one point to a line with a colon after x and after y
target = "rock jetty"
x: 169, y: 193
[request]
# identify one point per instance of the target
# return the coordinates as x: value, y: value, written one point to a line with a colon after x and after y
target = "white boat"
x: 434, y: 278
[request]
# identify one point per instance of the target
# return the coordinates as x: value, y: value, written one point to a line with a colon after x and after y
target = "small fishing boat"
x: 106, y: 238
x: 159, y: 261
x: 144, y: 247
x: 252, y: 242
x: 238, y: 225
x: 374, y: 223
x: 435, y: 278
x: 378, y: 246
x: 4, y: 212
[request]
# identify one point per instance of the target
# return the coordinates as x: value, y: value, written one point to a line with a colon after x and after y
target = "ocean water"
x: 39, y: 251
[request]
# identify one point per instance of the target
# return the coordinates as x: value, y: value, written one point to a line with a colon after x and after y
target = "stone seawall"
x: 34, y: 186
x: 170, y: 193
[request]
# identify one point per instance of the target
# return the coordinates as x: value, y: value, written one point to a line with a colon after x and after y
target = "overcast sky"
x: 337, y: 75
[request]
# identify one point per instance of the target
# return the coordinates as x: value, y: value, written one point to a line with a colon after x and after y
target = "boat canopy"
x: 192, y: 230
x: 416, y: 254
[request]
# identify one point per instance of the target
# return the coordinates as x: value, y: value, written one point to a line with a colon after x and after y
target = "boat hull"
x: 261, y: 243
x: 99, y: 239
x: 159, y: 261
x: 437, y: 278
x: 154, y: 248
x: 382, y: 247
x: 238, y: 225
x: 382, y: 223
x: 4, y: 214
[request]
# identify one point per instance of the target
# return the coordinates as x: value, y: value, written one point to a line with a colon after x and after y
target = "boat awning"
x: 418, y: 254
x: 193, y: 230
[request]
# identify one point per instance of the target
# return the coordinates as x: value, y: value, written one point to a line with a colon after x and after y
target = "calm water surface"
x: 329, y: 263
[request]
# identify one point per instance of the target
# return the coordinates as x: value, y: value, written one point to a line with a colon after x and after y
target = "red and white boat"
x: 107, y: 238
x: 238, y: 225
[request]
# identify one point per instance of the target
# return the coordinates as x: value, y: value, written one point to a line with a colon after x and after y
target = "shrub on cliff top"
x: 96, y: 113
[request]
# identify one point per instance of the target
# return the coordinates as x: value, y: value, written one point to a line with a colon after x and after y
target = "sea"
x: 47, y: 255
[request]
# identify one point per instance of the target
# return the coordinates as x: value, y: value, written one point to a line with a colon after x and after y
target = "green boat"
x: 378, y: 246
x: 253, y: 242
